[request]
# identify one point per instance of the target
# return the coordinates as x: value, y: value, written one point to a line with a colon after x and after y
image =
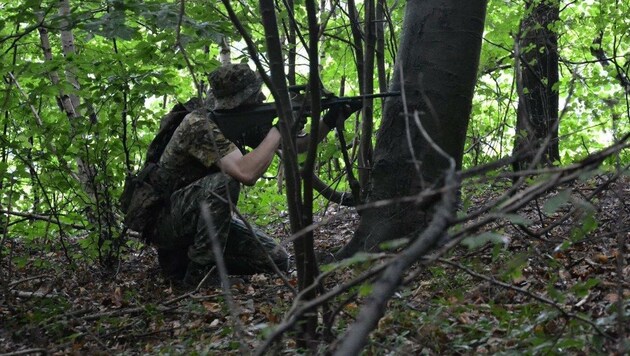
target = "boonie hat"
x: 231, y: 85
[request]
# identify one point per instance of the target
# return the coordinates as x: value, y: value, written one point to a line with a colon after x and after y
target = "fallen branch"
x: 529, y: 294
x: 41, y: 218
x: 25, y: 294
x: 27, y: 352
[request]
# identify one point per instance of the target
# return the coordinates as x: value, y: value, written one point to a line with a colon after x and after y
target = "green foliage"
x: 131, y: 71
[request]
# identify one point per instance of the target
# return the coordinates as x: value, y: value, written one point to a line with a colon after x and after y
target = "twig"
x: 27, y: 352
x: 383, y: 289
x: 223, y: 274
x: 179, y: 44
x: 525, y: 292
x: 292, y: 319
x: 24, y: 294
x: 15, y: 283
x: 250, y: 228
x: 42, y: 218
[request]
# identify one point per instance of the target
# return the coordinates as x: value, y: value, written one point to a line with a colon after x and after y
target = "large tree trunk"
x: 537, y: 74
x: 439, y: 55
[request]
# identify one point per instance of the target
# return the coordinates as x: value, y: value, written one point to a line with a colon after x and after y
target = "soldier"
x: 204, y: 167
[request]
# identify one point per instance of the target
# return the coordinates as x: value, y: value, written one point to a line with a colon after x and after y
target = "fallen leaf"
x: 601, y: 258
x: 211, y: 307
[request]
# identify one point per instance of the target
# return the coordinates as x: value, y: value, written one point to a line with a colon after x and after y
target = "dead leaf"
x: 601, y: 258
x: 211, y: 307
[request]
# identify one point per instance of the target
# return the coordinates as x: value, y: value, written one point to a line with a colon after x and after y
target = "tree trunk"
x: 437, y: 60
x: 367, y: 122
x: 537, y: 75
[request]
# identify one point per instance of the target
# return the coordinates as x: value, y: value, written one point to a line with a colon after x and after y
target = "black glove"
x: 339, y: 111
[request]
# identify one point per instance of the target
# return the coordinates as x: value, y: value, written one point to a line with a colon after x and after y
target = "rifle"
x: 248, y: 124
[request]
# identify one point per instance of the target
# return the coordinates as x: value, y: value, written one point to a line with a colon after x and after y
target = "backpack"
x: 144, y: 193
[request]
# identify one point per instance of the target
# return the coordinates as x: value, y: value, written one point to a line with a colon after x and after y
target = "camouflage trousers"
x: 183, y: 234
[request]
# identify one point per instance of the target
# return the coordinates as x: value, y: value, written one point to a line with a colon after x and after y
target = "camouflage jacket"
x: 194, y: 149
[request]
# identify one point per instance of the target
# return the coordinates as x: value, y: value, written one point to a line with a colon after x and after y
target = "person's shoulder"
x: 197, y: 119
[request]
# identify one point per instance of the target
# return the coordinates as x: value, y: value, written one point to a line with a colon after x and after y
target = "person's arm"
x: 248, y: 168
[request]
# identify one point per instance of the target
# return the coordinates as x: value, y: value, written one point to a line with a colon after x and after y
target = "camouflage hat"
x: 233, y: 84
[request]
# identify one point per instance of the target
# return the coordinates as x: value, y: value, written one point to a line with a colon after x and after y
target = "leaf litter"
x: 55, y: 309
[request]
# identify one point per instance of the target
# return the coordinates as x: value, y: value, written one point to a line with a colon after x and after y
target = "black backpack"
x: 144, y: 193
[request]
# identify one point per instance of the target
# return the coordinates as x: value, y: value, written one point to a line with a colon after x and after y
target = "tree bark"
x: 537, y: 75
x: 367, y: 123
x: 437, y: 61
x: 304, y: 252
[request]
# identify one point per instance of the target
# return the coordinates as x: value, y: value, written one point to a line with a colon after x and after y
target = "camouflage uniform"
x: 181, y: 233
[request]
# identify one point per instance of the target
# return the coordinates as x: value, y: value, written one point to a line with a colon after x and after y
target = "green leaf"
x: 393, y: 244
x: 554, y: 203
x: 474, y: 242
x: 518, y: 219
x: 365, y: 289
x: 582, y: 289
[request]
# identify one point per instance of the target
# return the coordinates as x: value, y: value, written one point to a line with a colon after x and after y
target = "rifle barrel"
x: 375, y: 95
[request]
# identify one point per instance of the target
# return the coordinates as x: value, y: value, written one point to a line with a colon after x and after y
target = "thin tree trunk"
x: 67, y: 43
x: 367, y: 123
x: 292, y: 42
x: 537, y: 64
x: 437, y: 60
x: 304, y: 258
x: 225, y: 55
x: 380, y: 47
x: 101, y: 212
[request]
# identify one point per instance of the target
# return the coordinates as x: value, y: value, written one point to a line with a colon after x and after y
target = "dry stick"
x: 27, y: 352
x: 303, y: 308
x: 225, y: 282
x: 40, y: 217
x: 41, y: 276
x: 251, y: 47
x: 549, y: 227
x: 516, y: 202
x: 575, y: 171
x: 375, y: 305
x: 25, y: 294
x: 250, y: 228
x: 525, y: 292
x: 403, y: 97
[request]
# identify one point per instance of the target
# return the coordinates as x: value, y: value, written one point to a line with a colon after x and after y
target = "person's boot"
x: 173, y: 262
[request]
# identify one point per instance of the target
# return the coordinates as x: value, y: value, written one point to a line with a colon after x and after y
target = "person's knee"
x: 280, y: 258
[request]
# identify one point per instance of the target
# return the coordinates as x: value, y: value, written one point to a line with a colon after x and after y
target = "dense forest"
x: 480, y: 207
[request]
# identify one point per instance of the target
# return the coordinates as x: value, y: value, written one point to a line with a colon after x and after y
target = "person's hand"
x: 338, y: 112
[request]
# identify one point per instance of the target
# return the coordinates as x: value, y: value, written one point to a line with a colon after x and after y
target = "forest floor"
x: 559, y: 291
